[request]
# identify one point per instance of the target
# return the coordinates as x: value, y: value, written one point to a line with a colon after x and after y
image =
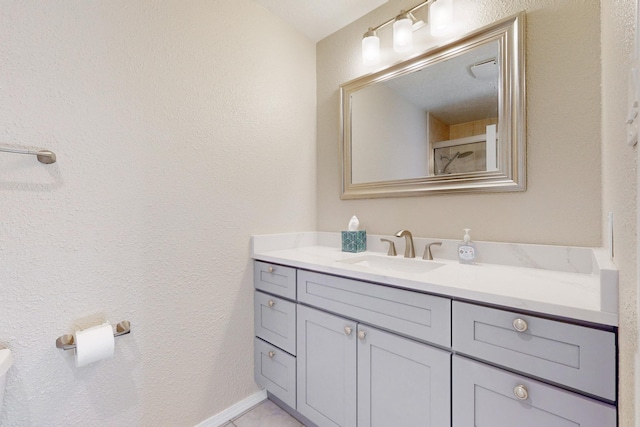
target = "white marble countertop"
x: 585, y: 294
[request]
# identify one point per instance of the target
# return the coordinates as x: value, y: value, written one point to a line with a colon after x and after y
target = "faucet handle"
x: 392, y: 247
x: 427, y: 250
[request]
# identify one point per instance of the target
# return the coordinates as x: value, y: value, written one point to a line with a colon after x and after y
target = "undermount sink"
x: 393, y: 264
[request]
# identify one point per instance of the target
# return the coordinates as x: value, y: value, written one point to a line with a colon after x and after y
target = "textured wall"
x: 619, y: 185
x: 178, y: 126
x: 562, y: 202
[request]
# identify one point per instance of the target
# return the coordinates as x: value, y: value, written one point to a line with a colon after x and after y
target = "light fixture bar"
x: 404, y: 25
x: 413, y: 9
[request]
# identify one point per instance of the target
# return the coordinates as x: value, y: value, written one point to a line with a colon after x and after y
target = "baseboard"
x: 232, y: 412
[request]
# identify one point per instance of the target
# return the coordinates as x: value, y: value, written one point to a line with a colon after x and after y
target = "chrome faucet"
x: 427, y: 250
x: 409, y: 252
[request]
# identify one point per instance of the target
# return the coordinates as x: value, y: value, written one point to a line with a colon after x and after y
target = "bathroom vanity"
x: 364, y: 339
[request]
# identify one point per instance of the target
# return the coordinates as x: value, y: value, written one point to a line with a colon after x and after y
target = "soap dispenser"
x: 467, y: 249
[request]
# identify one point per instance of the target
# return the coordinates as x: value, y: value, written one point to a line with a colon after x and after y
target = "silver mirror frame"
x: 511, y: 157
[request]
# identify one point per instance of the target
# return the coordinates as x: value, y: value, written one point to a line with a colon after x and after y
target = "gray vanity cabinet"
x: 423, y: 317
x: 575, y: 356
x: 275, y: 329
x: 398, y: 381
x: 326, y: 368
x: 275, y: 279
x: 401, y: 382
x: 349, y: 353
x: 484, y: 396
x: 275, y: 370
x: 275, y: 321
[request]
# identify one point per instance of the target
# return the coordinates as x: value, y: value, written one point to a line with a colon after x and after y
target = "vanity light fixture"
x: 370, y: 48
x: 440, y: 15
x: 402, y: 32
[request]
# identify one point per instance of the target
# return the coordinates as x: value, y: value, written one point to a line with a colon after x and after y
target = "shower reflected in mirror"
x: 458, y: 155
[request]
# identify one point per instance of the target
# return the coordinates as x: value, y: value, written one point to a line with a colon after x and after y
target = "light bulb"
x: 370, y: 48
x: 402, y: 33
x: 441, y: 17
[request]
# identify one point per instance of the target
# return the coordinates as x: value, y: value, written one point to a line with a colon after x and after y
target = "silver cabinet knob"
x: 361, y: 335
x: 271, y: 354
x: 348, y: 330
x: 520, y: 325
x: 271, y: 303
x: 521, y: 392
x: 270, y: 269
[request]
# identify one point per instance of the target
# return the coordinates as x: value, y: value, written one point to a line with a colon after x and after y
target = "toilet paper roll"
x: 93, y: 344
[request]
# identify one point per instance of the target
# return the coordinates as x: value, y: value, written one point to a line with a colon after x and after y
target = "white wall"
x: 619, y: 185
x: 562, y: 201
x: 387, y: 152
x: 178, y: 127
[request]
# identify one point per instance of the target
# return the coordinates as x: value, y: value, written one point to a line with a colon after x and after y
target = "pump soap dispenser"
x: 467, y: 249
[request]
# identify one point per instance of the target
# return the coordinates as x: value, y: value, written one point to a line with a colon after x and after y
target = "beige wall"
x: 178, y: 126
x: 619, y: 185
x: 562, y: 203
x: 578, y: 165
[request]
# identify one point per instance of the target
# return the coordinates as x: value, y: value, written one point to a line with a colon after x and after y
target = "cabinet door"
x: 484, y: 396
x: 401, y: 382
x: 326, y: 360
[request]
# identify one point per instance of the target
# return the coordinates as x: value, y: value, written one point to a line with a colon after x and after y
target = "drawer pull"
x: 270, y: 269
x: 520, y: 325
x: 271, y: 354
x: 361, y: 335
x: 348, y: 330
x: 271, y: 303
x: 521, y: 392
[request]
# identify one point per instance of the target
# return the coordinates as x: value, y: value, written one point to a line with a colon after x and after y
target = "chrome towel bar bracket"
x: 44, y: 156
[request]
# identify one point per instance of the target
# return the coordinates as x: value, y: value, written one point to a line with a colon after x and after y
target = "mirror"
x: 449, y: 120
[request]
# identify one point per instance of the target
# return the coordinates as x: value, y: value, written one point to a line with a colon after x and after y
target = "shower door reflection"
x: 466, y: 155
x: 452, y: 160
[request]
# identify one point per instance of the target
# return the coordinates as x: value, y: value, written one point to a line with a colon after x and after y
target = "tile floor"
x: 266, y: 414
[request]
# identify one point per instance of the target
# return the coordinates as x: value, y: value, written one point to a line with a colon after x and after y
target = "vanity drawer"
x: 275, y: 370
x: 486, y: 396
x: 421, y: 316
x: 275, y: 321
x: 576, y: 356
x: 275, y: 279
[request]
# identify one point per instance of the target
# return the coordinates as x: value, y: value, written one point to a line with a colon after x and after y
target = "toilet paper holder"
x: 68, y: 341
